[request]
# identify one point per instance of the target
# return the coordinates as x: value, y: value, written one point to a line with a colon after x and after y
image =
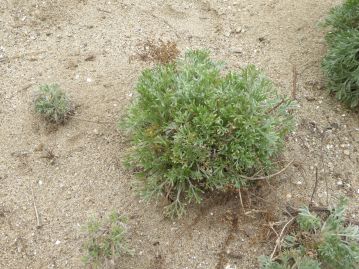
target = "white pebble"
x: 330, y: 146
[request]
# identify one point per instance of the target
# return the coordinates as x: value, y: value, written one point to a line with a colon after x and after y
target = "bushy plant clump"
x: 344, y: 17
x: 52, y: 104
x: 195, y: 129
x: 341, y: 64
x: 319, y: 244
x: 105, y: 241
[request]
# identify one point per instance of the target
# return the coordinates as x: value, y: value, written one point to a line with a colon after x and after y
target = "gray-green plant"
x: 52, y: 103
x: 341, y: 63
x: 194, y: 128
x: 318, y: 243
x: 105, y: 241
x: 343, y: 17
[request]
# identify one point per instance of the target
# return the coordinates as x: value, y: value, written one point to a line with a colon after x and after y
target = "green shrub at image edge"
x: 343, y: 17
x: 52, y: 104
x: 341, y: 63
x: 194, y: 129
x: 318, y: 244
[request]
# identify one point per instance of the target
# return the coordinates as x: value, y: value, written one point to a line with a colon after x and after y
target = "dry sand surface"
x: 75, y: 171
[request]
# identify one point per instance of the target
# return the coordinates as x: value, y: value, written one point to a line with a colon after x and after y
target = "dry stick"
x: 38, y: 223
x: 322, y: 161
x: 294, y: 84
x: 293, y: 212
x: 275, y: 107
x: 272, y: 228
x: 240, y: 198
x: 315, y: 187
x: 279, y: 239
x: 270, y: 176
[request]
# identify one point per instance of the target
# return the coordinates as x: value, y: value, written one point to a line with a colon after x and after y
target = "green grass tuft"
x: 52, y: 104
x: 105, y: 241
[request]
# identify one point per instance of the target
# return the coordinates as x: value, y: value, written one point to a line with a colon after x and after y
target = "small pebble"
x: 330, y: 146
x: 39, y: 147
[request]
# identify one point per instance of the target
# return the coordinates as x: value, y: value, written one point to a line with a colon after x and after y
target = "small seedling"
x: 318, y: 244
x: 52, y: 104
x: 105, y: 241
x: 195, y: 129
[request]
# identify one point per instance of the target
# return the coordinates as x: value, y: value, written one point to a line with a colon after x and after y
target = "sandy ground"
x: 52, y: 41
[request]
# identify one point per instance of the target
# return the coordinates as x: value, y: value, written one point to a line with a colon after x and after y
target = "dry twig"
x: 269, y: 176
x: 275, y: 107
x: 279, y: 239
x: 240, y: 198
x: 294, y: 85
x: 315, y: 187
x: 38, y: 222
